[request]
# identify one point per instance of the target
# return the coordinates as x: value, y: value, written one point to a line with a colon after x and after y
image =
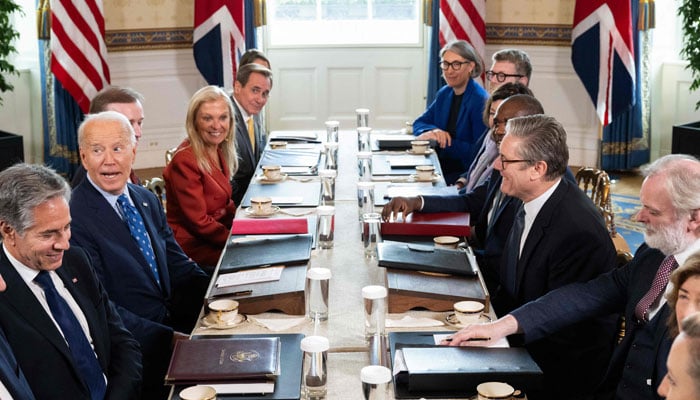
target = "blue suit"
x: 642, y: 354
x: 10, y: 373
x: 466, y: 141
x: 149, y: 311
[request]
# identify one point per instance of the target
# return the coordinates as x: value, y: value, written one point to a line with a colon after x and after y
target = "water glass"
x: 363, y: 137
x: 332, y: 131
x: 362, y: 117
x: 317, y: 282
x: 371, y: 233
x: 331, y: 152
x: 314, y: 367
x: 327, y: 184
x: 375, y: 304
x: 376, y: 380
x: 365, y: 198
x: 364, y: 165
x: 325, y: 226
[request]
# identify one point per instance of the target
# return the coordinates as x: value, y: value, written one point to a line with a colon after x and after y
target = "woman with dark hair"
x: 684, y: 296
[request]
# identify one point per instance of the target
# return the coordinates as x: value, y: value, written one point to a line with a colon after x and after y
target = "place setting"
x: 425, y: 173
x: 261, y: 207
x: 420, y: 147
x: 466, y: 312
x: 223, y: 314
x: 272, y: 174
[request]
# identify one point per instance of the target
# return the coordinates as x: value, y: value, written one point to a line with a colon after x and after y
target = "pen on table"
x: 243, y: 293
x: 476, y: 339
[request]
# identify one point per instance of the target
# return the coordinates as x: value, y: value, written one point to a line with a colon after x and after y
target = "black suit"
x: 11, y: 374
x: 40, y: 348
x: 248, y: 157
x: 642, y: 354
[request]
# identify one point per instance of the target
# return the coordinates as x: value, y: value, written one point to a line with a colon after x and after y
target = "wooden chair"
x: 156, y: 186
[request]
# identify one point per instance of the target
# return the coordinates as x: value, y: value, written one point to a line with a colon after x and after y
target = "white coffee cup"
x: 278, y: 144
x: 425, y: 172
x: 272, y: 172
x: 494, y: 390
x: 225, y: 310
x: 468, y: 311
x: 446, y: 242
x: 199, y: 392
x: 261, y: 205
x: 420, y: 146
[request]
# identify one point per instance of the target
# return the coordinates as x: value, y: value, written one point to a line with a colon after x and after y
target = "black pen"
x: 243, y: 293
x: 476, y: 339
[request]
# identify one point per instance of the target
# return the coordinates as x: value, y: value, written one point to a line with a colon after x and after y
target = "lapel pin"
x: 75, y: 280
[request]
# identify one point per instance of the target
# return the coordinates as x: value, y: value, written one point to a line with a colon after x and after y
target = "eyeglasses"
x: 456, y: 65
x: 505, y: 161
x: 500, y: 76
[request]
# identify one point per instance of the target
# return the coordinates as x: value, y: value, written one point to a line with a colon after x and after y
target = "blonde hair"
x: 209, y: 94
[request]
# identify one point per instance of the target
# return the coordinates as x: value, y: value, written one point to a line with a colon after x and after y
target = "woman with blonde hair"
x: 197, y: 180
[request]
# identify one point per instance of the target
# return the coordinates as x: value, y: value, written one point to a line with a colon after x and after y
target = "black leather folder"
x: 442, y: 371
x: 242, y: 253
x: 392, y: 164
x: 419, y: 257
x: 288, y: 384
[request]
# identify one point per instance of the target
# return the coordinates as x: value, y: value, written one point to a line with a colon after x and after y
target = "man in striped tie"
x: 250, y: 93
x: 670, y: 197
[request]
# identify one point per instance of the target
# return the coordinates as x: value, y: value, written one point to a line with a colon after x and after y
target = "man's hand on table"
x: 484, y: 335
x: 405, y: 205
x: 442, y: 138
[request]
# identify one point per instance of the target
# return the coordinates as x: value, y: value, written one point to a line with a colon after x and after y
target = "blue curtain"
x: 250, y: 40
x: 435, y: 80
x: 624, y: 144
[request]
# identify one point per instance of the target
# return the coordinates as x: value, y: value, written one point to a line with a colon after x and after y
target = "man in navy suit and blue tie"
x: 67, y: 337
x: 157, y: 289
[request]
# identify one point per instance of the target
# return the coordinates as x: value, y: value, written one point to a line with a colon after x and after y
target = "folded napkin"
x: 412, y: 322
x: 269, y: 226
x: 276, y: 322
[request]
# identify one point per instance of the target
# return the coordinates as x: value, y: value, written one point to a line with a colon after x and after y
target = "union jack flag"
x: 219, y: 39
x: 464, y: 19
x: 78, y: 51
x: 602, y: 53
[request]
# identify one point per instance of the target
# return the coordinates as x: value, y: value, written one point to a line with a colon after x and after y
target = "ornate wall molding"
x: 178, y: 38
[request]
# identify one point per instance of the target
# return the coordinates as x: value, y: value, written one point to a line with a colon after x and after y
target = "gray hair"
x: 467, y: 52
x: 691, y: 328
x: 682, y: 180
x: 23, y: 188
x: 106, y: 116
x: 543, y: 138
x: 519, y: 58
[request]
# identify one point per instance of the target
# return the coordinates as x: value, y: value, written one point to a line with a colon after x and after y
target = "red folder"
x: 429, y: 224
x: 269, y: 226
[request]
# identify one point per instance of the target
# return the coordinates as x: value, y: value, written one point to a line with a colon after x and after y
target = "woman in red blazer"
x: 197, y: 180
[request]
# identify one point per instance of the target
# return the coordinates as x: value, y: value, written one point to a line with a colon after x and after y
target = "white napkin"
x: 412, y: 322
x: 276, y: 322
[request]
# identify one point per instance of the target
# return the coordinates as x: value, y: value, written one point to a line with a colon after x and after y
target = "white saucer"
x: 420, y: 153
x: 267, y: 181
x: 210, y: 322
x: 414, y: 178
x: 452, y: 320
x: 249, y: 212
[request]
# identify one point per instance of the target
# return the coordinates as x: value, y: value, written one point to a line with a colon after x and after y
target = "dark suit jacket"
x: 42, y: 351
x: 616, y: 291
x: 200, y: 209
x: 11, y: 374
x: 247, y: 157
x: 150, y: 312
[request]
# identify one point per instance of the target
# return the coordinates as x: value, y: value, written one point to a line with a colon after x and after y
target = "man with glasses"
x: 453, y: 120
x: 509, y: 65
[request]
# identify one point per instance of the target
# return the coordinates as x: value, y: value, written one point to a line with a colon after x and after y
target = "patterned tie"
x: 83, y: 354
x: 138, y: 232
x: 657, y: 287
x: 251, y: 132
x: 513, y: 249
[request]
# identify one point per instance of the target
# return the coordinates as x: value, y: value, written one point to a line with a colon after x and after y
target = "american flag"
x: 219, y: 39
x: 602, y: 53
x: 78, y: 51
x: 464, y: 19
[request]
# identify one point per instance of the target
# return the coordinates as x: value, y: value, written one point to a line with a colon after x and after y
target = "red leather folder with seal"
x: 429, y: 224
x: 269, y: 226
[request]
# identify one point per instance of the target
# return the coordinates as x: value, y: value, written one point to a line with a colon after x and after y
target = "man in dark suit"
x: 50, y: 285
x: 157, y: 293
x: 122, y: 100
x: 670, y: 197
x: 250, y: 93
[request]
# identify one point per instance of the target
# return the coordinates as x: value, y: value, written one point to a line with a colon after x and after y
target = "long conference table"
x: 351, y: 271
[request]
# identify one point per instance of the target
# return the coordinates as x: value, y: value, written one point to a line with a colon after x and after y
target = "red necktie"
x: 657, y: 287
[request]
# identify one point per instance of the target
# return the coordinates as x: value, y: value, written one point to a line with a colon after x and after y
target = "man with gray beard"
x: 670, y: 197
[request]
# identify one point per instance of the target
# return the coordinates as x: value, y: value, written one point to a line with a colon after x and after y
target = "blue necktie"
x: 83, y: 354
x: 139, y: 233
x: 513, y: 251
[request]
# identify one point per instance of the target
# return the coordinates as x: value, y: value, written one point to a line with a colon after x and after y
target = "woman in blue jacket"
x: 454, y: 118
